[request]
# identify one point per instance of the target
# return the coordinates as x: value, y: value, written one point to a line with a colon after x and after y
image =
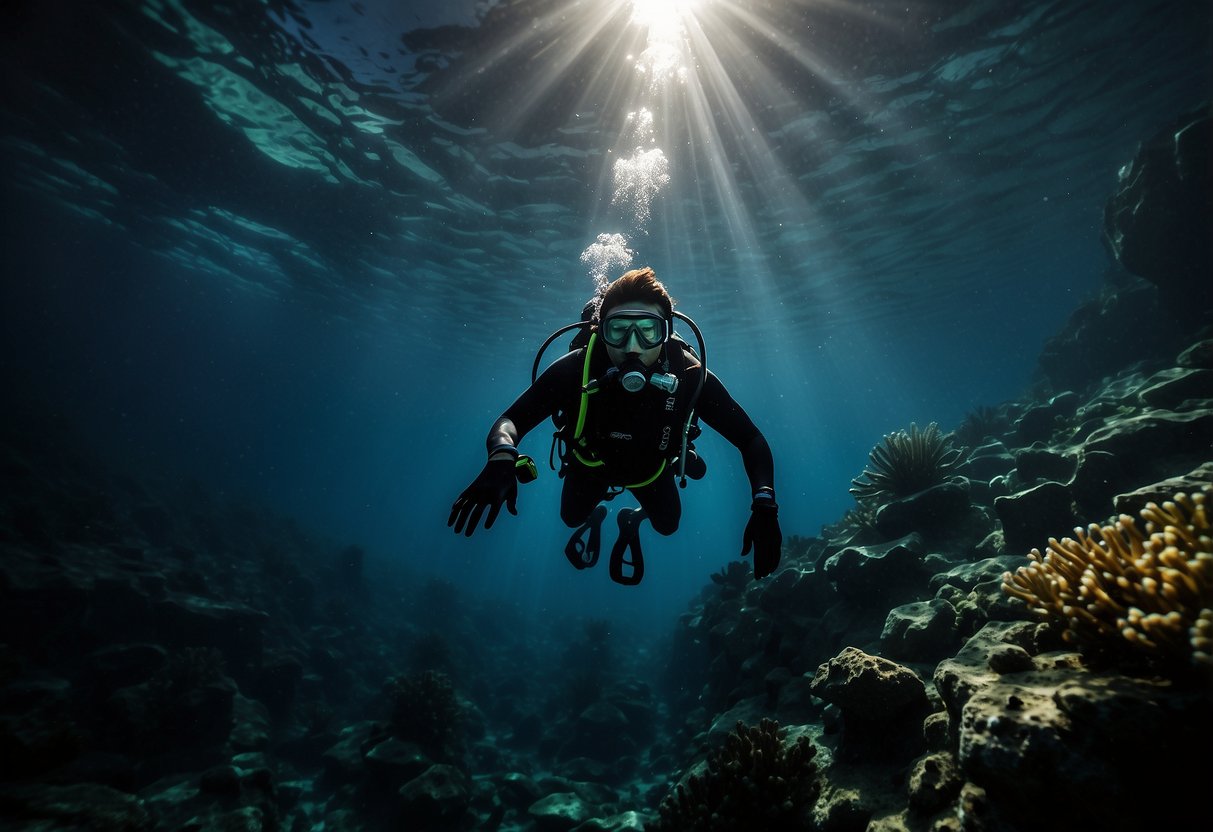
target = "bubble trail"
x: 638, y: 179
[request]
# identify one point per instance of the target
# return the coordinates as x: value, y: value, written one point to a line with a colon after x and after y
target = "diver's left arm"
x: 721, y: 412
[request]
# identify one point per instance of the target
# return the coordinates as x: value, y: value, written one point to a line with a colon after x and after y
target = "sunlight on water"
x: 688, y: 123
x: 663, y: 18
x: 666, y: 55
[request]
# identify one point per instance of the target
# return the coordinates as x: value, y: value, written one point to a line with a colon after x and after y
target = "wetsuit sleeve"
x: 540, y: 401
x: 721, y: 412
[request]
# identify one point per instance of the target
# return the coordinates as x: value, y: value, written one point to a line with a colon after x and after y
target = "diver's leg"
x: 581, y: 508
x: 627, y: 559
x: 661, y: 503
x: 581, y: 493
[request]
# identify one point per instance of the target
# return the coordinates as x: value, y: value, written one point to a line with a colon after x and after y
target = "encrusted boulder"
x: 77, y: 806
x: 957, y: 679
x: 1097, y: 478
x: 560, y: 812
x: 396, y: 761
x: 1197, y: 356
x: 250, y: 725
x: 231, y: 627
x: 923, y: 631
x: 37, y: 733
x: 1126, y: 324
x: 1042, y: 463
x: 871, y: 575
x: 882, y: 703
x: 189, y: 703
x: 1170, y: 389
x: 969, y: 575
x: 935, y: 780
x: 622, y: 822
x: 518, y: 790
x: 439, y: 793
x: 1030, y: 732
x: 747, y: 711
x: 226, y: 796
x: 1193, y: 482
x: 933, y: 509
x: 1036, y: 424
x: 1157, y: 222
x: 343, y: 761
x: 1033, y: 516
x: 986, y: 462
x: 1156, y: 444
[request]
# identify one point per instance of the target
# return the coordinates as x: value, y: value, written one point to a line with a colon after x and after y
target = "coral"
x: 732, y: 578
x: 425, y: 710
x: 754, y: 781
x: 857, y: 526
x: 1120, y: 591
x: 906, y: 463
x: 980, y: 424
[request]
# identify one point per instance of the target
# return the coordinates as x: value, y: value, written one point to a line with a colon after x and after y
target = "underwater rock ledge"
x: 169, y: 660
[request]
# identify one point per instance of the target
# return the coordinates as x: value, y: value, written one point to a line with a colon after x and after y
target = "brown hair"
x: 640, y: 286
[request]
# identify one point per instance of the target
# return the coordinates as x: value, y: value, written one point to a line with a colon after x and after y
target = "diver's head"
x: 634, y: 319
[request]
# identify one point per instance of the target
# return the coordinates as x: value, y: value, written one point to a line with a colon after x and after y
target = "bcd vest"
x: 630, y: 437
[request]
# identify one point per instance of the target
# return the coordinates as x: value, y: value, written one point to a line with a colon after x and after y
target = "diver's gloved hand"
x: 496, y: 484
x: 763, y: 534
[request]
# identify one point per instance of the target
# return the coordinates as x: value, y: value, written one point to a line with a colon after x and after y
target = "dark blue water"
x: 306, y: 251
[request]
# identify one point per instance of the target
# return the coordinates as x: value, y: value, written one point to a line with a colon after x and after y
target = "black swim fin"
x: 629, y: 541
x: 584, y: 553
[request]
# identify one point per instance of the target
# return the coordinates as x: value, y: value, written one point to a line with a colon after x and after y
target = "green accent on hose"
x: 585, y: 382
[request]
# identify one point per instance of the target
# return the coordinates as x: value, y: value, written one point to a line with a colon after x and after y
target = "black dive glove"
x: 496, y: 484
x: 762, y: 532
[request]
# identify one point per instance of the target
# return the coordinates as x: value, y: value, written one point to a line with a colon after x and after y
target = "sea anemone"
x: 907, y: 462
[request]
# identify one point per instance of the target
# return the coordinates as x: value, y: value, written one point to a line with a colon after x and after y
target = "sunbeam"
x: 687, y: 87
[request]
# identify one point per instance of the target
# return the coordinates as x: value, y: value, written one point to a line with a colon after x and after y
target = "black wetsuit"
x: 632, y: 434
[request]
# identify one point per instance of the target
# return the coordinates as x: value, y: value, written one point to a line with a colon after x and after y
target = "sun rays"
x: 684, y: 112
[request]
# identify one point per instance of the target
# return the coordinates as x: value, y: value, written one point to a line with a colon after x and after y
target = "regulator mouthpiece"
x: 633, y: 381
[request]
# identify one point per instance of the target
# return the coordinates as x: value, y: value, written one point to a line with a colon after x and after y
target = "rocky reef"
x: 1011, y: 630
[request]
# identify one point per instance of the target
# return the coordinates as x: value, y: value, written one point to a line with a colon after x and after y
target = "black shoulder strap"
x: 583, y: 337
x: 682, y: 356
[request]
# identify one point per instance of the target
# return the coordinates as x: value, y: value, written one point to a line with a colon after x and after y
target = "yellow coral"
x: 1117, y: 587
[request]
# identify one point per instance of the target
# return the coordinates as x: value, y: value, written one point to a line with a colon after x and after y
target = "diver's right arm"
x: 538, y: 402
x: 503, y: 440
x: 496, y: 483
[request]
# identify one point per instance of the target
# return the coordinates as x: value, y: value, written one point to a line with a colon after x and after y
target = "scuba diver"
x: 626, y: 399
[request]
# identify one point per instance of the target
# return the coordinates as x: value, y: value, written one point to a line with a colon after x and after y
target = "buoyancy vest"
x: 630, y: 438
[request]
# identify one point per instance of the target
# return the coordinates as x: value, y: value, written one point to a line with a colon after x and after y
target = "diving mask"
x: 651, y: 330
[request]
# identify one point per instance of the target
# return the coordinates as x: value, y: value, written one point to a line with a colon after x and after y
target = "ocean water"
x: 306, y: 251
